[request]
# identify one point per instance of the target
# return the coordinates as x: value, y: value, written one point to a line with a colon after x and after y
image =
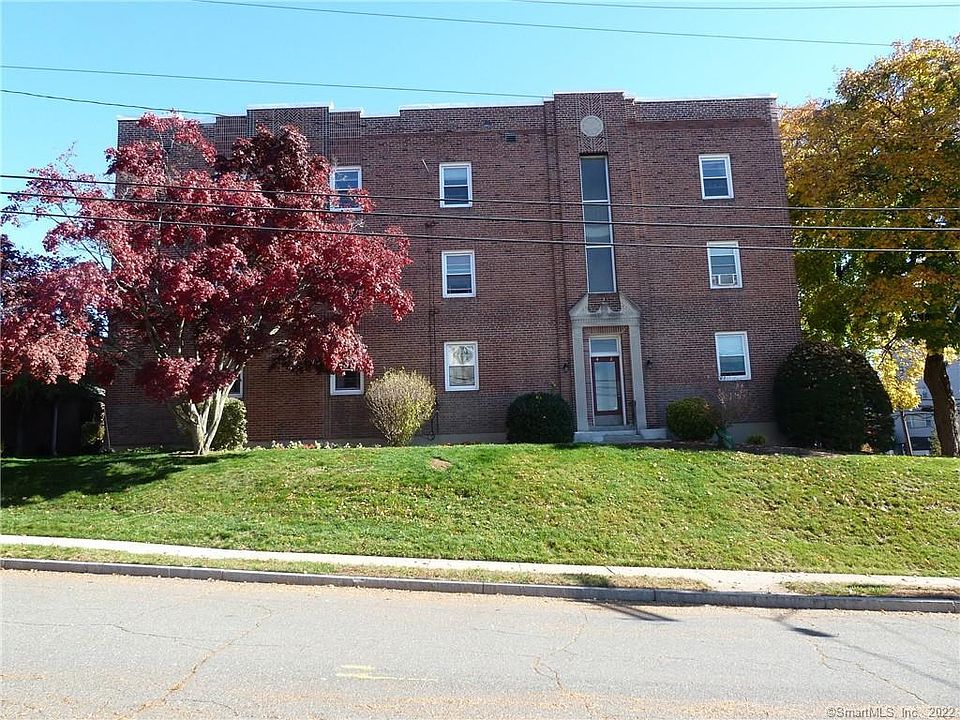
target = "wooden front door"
x: 607, y: 391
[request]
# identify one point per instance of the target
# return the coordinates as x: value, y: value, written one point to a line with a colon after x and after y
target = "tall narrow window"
x: 597, y: 228
x: 342, y: 181
x: 458, y: 274
x: 723, y: 259
x: 716, y: 182
x: 733, y: 356
x: 236, y: 390
x: 456, y: 185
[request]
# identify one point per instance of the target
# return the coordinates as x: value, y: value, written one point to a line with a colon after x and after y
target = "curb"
x: 650, y: 596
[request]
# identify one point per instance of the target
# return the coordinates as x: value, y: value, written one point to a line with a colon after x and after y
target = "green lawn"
x: 585, y: 504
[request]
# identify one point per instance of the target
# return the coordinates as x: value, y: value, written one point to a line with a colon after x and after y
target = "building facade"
x: 624, y: 269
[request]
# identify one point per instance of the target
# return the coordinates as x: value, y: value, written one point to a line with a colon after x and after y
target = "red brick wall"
x: 520, y: 315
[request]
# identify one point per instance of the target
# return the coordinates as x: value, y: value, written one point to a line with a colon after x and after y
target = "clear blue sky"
x: 191, y: 38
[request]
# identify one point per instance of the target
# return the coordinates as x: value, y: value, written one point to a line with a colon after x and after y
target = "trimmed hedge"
x: 692, y: 418
x: 232, y: 430
x: 830, y: 397
x: 540, y: 417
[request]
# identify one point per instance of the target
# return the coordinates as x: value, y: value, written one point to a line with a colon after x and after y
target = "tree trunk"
x: 55, y: 429
x: 202, y: 419
x: 944, y: 404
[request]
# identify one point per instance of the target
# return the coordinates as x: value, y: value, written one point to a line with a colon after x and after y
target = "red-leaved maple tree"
x: 201, y: 265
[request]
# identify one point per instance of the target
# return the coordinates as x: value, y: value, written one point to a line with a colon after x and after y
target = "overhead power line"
x: 476, y: 200
x: 502, y: 218
x: 107, y: 104
x: 476, y: 239
x: 541, y: 26
x: 748, y: 8
x: 259, y: 81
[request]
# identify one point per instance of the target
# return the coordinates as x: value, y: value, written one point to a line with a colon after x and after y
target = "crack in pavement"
x: 235, y: 712
x: 191, y: 673
x: 861, y: 668
x: 176, y: 638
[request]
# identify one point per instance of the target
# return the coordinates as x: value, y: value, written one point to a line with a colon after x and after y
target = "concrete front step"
x: 620, y: 436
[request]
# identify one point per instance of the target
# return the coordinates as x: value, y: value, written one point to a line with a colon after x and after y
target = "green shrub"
x: 92, y: 434
x: 400, y: 402
x: 232, y: 431
x: 829, y: 397
x: 540, y: 417
x: 756, y: 439
x: 692, y: 418
x: 934, y: 444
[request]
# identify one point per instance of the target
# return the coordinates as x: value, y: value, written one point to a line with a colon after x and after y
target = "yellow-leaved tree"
x: 890, y: 138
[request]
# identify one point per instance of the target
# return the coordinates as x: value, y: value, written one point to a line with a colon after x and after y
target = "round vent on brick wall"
x: 591, y: 126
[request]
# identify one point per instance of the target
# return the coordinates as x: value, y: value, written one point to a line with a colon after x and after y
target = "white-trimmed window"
x: 723, y: 260
x: 346, y: 383
x: 733, y: 356
x: 460, y: 366
x: 597, y: 226
x: 236, y: 390
x: 459, y: 274
x: 342, y: 181
x: 456, y: 184
x: 716, y: 181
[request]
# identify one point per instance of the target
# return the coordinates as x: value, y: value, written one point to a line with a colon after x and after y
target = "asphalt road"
x: 86, y: 646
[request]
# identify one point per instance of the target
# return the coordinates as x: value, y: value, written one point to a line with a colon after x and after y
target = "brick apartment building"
x: 621, y: 315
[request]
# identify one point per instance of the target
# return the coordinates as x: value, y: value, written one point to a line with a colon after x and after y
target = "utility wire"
x: 475, y: 200
x: 541, y: 26
x: 644, y: 6
x: 462, y: 238
x: 488, y: 218
x: 108, y: 104
x: 258, y: 81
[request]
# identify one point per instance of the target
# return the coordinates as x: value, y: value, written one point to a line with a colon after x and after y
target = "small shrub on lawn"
x: 829, y: 397
x: 756, y: 439
x: 92, y: 434
x: 232, y: 431
x: 540, y: 417
x: 692, y: 418
x: 400, y: 402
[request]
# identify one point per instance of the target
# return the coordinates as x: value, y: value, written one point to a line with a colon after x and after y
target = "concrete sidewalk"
x: 717, y: 580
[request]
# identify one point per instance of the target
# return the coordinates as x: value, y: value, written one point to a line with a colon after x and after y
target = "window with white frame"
x: 342, y: 181
x: 597, y: 226
x: 236, y: 390
x: 456, y: 184
x: 346, y: 383
x: 723, y: 259
x: 460, y: 366
x: 459, y: 274
x: 716, y: 181
x: 733, y: 356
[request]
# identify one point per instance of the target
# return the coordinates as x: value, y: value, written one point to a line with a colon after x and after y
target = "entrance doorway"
x: 606, y: 373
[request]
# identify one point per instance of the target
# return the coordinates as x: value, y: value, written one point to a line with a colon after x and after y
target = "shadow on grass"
x: 25, y: 480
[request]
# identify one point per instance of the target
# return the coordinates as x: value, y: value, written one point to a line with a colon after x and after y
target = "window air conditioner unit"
x: 725, y: 279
